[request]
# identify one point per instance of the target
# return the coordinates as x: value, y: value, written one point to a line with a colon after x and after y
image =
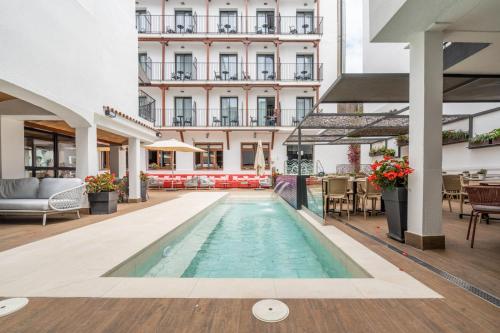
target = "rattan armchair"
x: 484, y: 200
x: 337, y: 193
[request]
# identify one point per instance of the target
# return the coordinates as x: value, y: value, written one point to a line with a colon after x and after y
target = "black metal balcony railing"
x: 229, y: 24
x: 234, y: 72
x: 147, y: 107
x: 234, y: 117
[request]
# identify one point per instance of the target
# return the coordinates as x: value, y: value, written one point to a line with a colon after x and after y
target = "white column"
x: 11, y: 148
x: 118, y: 160
x: 425, y: 150
x: 134, y: 165
x: 86, y: 151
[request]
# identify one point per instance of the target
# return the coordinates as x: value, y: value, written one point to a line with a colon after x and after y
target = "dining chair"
x: 484, y: 200
x: 452, y: 188
x: 337, y: 192
x: 369, y: 192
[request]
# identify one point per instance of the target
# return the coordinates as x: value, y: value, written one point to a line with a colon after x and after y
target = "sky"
x: 354, y: 36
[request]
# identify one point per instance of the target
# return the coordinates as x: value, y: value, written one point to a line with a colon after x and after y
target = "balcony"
x: 227, y: 118
x: 147, y: 107
x: 233, y: 72
x: 229, y: 25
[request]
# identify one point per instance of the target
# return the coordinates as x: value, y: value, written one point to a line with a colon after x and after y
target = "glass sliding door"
x: 305, y: 67
x: 143, y: 21
x: 265, y: 22
x: 305, y: 22
x: 303, y: 106
x: 183, y: 67
x: 184, y: 112
x: 229, y: 111
x: 228, y: 65
x: 228, y: 21
x: 265, y: 111
x: 184, y: 21
x: 265, y: 67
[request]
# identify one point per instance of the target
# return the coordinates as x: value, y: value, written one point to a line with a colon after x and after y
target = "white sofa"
x: 29, y: 196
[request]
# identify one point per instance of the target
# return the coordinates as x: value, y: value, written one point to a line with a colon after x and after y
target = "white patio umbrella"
x: 174, y: 146
x: 260, y: 161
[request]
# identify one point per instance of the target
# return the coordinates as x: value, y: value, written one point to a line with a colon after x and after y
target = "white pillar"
x: 134, y: 165
x: 118, y: 161
x: 425, y: 150
x: 86, y: 151
x: 11, y: 148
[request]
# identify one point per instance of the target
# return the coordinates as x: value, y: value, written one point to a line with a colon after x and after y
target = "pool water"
x: 245, y: 239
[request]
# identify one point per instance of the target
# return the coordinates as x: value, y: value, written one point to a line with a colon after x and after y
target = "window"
x: 211, y: 158
x: 305, y: 22
x: 48, y: 154
x: 161, y: 160
x: 142, y: 21
x: 248, y: 151
x: 228, y: 21
x: 183, y: 67
x: 265, y: 111
x: 304, y: 64
x: 265, y: 22
x: 229, y: 111
x: 103, y: 158
x: 184, y: 21
x: 303, y: 106
x: 265, y: 67
x: 183, y: 112
x: 292, y: 152
x: 228, y: 65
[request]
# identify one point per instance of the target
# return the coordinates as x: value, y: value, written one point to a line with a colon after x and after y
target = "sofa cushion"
x: 24, y: 204
x: 51, y: 186
x: 22, y: 188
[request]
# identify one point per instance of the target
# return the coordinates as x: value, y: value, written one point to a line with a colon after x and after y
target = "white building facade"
x: 68, y: 90
x: 223, y: 75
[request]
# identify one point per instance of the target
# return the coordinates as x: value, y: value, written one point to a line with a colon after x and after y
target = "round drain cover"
x: 11, y: 305
x: 270, y: 310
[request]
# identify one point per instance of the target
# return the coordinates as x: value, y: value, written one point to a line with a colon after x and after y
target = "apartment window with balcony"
x: 183, y: 67
x: 303, y: 106
x: 184, y: 21
x: 229, y: 111
x: 183, y: 112
x: 228, y: 66
x: 265, y: 22
x: 145, y: 63
x: 265, y: 111
x: 248, y: 151
x: 143, y: 21
x: 161, y: 160
x: 228, y: 21
x: 265, y: 67
x: 305, y: 22
x: 211, y: 158
x: 304, y: 66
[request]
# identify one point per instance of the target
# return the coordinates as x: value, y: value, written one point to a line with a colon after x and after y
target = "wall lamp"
x: 110, y: 112
x: 158, y: 134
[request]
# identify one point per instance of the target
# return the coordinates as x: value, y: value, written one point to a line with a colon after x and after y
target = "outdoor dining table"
x: 225, y: 120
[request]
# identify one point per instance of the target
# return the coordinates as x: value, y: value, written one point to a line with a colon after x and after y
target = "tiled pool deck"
x: 72, y: 264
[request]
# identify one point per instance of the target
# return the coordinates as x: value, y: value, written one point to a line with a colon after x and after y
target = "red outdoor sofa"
x: 221, y: 180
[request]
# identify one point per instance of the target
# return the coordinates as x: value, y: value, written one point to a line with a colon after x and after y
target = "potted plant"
x: 454, y: 136
x: 382, y: 151
x: 153, y: 166
x: 144, y: 186
x: 480, y: 140
x: 102, y: 193
x: 402, y: 140
x: 391, y: 175
x: 481, y: 174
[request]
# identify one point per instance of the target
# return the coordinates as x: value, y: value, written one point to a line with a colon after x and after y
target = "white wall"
x: 11, y: 148
x: 70, y: 56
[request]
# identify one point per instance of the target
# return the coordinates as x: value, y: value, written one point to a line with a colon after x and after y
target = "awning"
x: 394, y: 88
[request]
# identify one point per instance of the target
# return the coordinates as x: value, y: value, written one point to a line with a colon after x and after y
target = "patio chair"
x: 189, y: 29
x: 170, y: 30
x: 369, y: 192
x: 216, y: 121
x: 205, y: 182
x: 220, y: 29
x: 254, y: 121
x: 337, y: 192
x: 187, y: 76
x: 188, y: 122
x: 271, y: 76
x: 155, y: 182
x: 233, y: 78
x: 452, y: 188
x: 265, y: 182
x: 176, y: 122
x: 191, y: 183
x: 217, y: 76
x: 293, y: 30
x: 175, y: 77
x: 258, y: 30
x: 484, y: 200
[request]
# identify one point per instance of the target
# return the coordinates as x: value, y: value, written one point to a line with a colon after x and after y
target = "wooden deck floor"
x: 459, y: 311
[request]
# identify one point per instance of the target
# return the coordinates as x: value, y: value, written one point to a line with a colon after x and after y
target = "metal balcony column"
x: 246, y: 16
x: 162, y: 16
x: 163, y: 61
x: 163, y: 104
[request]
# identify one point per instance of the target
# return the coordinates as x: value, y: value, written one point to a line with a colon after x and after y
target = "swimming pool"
x: 243, y: 238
